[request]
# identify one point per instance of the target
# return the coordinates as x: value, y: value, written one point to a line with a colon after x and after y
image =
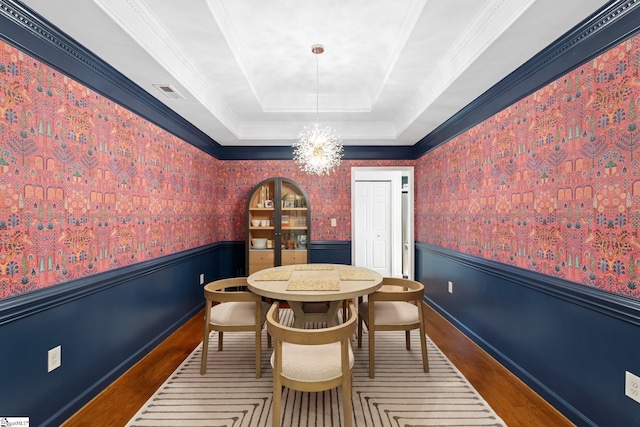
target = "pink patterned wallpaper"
x: 550, y: 184
x: 86, y: 186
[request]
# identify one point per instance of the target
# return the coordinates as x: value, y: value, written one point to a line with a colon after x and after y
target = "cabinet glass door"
x: 293, y: 224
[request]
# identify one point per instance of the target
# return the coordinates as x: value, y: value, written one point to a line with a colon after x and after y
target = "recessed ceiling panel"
x: 392, y: 71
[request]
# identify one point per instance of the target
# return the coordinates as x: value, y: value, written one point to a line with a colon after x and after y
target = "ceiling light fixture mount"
x: 318, y: 150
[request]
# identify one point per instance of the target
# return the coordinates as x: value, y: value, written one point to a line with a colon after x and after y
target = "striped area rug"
x: 400, y: 395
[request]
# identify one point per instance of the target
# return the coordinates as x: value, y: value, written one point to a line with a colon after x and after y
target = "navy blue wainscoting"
x: 231, y: 259
x: 331, y: 252
x: 104, y: 323
x: 570, y: 343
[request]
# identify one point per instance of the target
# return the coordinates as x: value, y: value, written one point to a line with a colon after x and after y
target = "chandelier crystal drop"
x: 318, y: 150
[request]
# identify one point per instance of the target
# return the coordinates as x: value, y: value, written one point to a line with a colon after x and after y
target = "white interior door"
x: 373, y: 226
x: 367, y: 249
x: 369, y: 208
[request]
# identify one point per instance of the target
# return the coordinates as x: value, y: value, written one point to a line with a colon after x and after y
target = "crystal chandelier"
x: 318, y: 150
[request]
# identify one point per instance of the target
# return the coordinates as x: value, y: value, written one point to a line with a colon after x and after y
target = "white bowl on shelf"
x: 258, y: 243
x: 255, y: 222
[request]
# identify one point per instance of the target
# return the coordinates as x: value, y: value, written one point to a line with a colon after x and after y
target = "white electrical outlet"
x: 333, y: 222
x: 54, y: 358
x: 632, y: 386
x: 202, y: 279
x: 450, y: 287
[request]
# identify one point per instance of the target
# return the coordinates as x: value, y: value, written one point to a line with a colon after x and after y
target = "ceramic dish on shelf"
x: 255, y: 222
x: 259, y: 243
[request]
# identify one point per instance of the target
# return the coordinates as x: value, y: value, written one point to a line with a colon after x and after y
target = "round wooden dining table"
x: 305, y: 286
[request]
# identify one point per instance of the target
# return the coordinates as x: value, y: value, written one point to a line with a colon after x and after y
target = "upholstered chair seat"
x: 391, y: 312
x: 236, y: 314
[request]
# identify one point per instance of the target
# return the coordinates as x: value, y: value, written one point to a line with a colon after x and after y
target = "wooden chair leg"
x: 205, y: 337
x: 347, y: 404
x: 276, y: 402
x: 345, y: 308
x: 359, y: 332
x: 220, y: 337
x: 258, y: 352
x: 423, y: 344
x: 205, y: 348
x: 372, y: 352
x: 407, y: 338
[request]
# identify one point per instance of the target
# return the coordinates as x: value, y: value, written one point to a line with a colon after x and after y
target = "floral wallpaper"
x: 87, y: 186
x: 550, y: 184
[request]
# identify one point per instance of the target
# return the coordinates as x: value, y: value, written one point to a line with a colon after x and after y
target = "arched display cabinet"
x: 278, y: 225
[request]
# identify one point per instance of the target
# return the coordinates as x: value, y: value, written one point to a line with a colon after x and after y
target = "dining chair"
x: 311, y: 360
x: 396, y: 306
x: 235, y: 310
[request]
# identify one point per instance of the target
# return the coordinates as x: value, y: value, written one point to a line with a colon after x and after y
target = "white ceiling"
x: 392, y: 70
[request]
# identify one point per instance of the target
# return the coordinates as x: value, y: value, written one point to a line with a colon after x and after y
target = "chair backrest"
x: 307, y: 377
x: 284, y: 333
x: 217, y: 290
x: 411, y: 290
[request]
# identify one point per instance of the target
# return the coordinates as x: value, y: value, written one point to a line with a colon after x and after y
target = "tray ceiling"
x: 244, y: 73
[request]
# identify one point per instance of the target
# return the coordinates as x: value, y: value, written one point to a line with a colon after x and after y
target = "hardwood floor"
x: 508, y: 396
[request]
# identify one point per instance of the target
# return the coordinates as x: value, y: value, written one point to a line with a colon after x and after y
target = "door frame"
x: 370, y: 174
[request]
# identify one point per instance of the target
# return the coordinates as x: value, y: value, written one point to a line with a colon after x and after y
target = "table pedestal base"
x: 315, y: 312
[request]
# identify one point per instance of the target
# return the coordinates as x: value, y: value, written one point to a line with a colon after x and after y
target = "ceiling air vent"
x: 169, y: 91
